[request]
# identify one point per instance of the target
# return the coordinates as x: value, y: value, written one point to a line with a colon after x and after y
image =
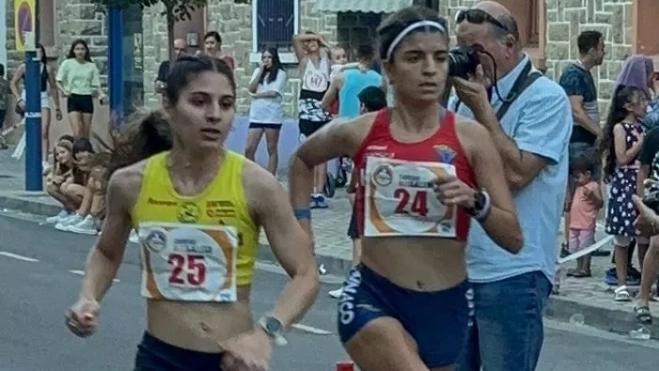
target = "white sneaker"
x: 134, y: 238
x: 68, y: 222
x: 57, y: 218
x: 86, y: 226
x: 336, y: 293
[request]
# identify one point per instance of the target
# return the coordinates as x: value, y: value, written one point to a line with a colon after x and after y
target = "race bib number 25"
x: 400, y: 200
x: 189, y: 262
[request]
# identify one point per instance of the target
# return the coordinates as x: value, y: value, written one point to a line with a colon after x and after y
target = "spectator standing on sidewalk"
x: 314, y: 68
x: 532, y: 136
x: 347, y: 85
x: 620, y: 146
x: 79, y: 81
x: 213, y: 48
x: 180, y: 49
x: 578, y: 83
x: 266, y: 112
x: 48, y: 89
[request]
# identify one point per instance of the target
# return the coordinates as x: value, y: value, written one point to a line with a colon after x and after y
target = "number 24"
x: 419, y: 204
x: 195, y: 268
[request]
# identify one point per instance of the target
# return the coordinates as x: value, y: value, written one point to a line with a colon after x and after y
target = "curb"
x: 26, y: 205
x: 558, y: 308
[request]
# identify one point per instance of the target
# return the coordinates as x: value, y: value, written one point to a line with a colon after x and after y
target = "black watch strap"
x: 482, y: 206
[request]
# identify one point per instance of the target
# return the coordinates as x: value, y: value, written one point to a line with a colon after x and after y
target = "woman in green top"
x: 78, y: 79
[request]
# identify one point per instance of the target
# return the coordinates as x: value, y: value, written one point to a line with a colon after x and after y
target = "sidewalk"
x: 589, y: 297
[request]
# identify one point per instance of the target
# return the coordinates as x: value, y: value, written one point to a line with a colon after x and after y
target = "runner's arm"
x: 104, y: 260
x: 338, y: 138
x: 501, y: 224
x: 290, y: 244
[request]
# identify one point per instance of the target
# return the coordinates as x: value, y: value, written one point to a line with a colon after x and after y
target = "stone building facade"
x: 549, y: 29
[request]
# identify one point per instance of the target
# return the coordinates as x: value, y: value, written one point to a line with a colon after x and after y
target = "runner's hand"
x: 452, y: 191
x: 647, y: 220
x: 82, y: 317
x: 250, y: 351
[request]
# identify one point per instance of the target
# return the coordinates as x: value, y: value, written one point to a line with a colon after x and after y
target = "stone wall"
x: 234, y: 23
x: 567, y: 18
x: 156, y: 50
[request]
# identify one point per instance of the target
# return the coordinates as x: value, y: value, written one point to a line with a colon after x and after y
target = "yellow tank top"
x: 195, y: 248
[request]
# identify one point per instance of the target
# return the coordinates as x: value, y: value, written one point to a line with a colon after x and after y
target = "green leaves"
x: 176, y: 10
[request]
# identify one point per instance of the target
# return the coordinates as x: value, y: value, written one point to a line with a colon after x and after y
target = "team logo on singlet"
x: 188, y: 212
x: 383, y: 176
x: 156, y: 241
x: 445, y: 154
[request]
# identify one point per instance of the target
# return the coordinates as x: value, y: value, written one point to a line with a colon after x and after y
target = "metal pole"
x: 116, y: 64
x: 33, y: 156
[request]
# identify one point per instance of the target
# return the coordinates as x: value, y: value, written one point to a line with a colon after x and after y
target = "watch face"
x: 480, y: 201
x: 273, y: 325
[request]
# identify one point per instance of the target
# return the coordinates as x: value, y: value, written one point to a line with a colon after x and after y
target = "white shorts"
x: 45, y: 99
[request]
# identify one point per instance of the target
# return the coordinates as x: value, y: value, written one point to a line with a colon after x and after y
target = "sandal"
x: 643, y: 314
x: 622, y: 294
x: 581, y: 274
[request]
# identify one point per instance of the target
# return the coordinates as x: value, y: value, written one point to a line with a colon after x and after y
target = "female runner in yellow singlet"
x: 198, y: 209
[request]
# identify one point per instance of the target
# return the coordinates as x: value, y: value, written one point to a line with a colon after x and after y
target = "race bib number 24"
x: 400, y: 200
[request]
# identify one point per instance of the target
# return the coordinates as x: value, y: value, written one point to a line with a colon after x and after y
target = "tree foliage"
x: 175, y: 10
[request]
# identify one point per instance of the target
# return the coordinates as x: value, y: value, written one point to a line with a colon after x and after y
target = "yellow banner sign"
x: 25, y: 23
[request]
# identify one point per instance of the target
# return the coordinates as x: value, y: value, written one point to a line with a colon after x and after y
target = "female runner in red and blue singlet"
x: 425, y: 174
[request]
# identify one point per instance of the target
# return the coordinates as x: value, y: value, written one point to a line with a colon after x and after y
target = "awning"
x: 364, y: 6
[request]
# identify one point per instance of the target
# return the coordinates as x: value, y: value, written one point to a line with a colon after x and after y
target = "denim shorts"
x: 438, y: 321
x: 154, y: 354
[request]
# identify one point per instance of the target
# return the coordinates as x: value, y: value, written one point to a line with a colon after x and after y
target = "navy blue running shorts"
x: 154, y: 354
x: 438, y: 321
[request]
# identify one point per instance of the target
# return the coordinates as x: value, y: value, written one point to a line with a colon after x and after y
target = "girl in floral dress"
x: 620, y: 145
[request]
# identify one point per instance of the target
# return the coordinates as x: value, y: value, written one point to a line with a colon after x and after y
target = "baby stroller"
x: 338, y: 175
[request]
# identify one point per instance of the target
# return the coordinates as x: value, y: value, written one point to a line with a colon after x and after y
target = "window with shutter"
x: 274, y: 24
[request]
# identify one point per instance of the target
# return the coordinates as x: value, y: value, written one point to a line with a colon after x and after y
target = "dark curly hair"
x: 617, y: 113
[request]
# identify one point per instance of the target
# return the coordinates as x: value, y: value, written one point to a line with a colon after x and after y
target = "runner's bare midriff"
x: 416, y: 263
x: 183, y: 324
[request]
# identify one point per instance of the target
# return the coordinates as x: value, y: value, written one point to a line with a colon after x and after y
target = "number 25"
x: 195, y: 268
x: 419, y: 204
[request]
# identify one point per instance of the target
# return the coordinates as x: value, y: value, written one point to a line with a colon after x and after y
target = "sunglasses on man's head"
x: 478, y: 16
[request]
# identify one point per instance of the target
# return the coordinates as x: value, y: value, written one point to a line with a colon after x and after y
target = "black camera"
x: 462, y: 62
x: 651, y: 200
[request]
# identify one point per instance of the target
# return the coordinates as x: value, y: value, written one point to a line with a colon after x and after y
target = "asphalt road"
x: 39, y: 281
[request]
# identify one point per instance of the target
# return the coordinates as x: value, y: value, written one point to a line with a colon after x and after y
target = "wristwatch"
x: 482, y: 206
x: 274, y: 329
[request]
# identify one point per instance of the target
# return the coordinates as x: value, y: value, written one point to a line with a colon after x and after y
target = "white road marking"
x: 311, y: 330
x: 18, y: 257
x: 82, y: 273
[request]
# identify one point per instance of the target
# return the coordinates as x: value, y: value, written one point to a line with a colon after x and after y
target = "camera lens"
x: 462, y: 62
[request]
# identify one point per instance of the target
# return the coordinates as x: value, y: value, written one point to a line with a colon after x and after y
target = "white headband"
x: 408, y: 30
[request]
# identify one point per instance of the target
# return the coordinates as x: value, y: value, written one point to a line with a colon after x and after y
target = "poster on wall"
x: 24, y: 24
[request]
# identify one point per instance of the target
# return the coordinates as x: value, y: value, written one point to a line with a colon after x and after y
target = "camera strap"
x: 523, y: 81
